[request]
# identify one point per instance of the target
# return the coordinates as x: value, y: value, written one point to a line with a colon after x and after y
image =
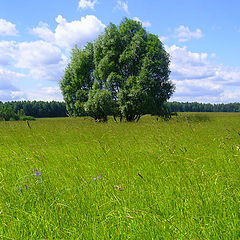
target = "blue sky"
x: 201, y: 36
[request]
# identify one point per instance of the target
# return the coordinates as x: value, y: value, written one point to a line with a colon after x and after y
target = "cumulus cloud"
x: 18, y: 95
x: 7, y: 95
x: 8, y: 79
x: 67, y: 34
x: 38, y: 94
x: 198, y: 79
x: 163, y: 38
x: 187, y: 64
x: 30, y: 54
x: 8, y: 84
x: 121, y: 5
x: 144, y: 23
x: 84, y: 4
x: 45, y: 93
x: 43, y: 31
x: 7, y: 28
x: 183, y: 33
x: 43, y: 59
x: 6, y: 50
x: 230, y: 96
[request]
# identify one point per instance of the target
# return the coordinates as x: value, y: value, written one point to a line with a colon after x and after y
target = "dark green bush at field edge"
x: 8, y: 114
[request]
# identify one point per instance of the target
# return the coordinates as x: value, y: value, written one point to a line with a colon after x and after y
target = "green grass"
x: 190, y: 187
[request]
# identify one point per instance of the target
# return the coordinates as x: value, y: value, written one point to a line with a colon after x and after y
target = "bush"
x: 8, y: 114
x: 30, y: 118
x: 99, y: 104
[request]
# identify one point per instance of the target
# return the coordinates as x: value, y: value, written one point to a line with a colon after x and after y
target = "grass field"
x: 148, y: 180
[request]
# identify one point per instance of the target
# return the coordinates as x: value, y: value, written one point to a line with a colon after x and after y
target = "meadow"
x: 72, y: 178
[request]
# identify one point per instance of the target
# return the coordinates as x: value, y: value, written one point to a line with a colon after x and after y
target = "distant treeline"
x: 202, y: 107
x: 38, y: 109
x: 41, y: 109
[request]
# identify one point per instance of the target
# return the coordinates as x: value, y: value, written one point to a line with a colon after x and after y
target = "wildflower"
x: 94, y: 179
x: 37, y: 173
x: 26, y: 187
x: 20, y: 190
x: 100, y: 176
x: 117, y: 187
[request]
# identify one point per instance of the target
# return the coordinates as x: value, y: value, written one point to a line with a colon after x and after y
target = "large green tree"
x: 125, y: 72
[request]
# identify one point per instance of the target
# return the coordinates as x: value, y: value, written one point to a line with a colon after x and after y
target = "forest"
x: 202, y: 107
x: 42, y: 109
x: 37, y: 109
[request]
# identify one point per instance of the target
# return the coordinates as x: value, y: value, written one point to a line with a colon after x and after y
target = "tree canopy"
x: 36, y: 109
x: 18, y: 109
x: 125, y: 73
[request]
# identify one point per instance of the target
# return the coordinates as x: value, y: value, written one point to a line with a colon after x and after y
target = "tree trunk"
x: 138, y: 118
x: 130, y: 118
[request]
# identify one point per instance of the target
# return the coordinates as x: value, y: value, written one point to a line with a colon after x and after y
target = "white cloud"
x: 7, y: 28
x: 10, y: 91
x: 51, y: 90
x: 43, y: 60
x: 183, y: 34
x: 37, y: 53
x: 213, y: 55
x: 67, y: 34
x: 198, y: 79
x: 84, y: 4
x: 8, y: 79
x: 230, y: 96
x: 6, y: 95
x: 20, y: 95
x: 44, y: 32
x: 163, y: 38
x: 6, y: 49
x: 8, y: 84
x: 45, y: 93
x: 144, y: 24
x: 121, y: 5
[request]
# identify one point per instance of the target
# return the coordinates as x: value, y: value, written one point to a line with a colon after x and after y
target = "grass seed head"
x: 117, y: 187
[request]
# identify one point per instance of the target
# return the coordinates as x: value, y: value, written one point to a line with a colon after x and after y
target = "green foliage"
x: 8, y: 114
x: 24, y: 118
x: 78, y: 80
x: 126, y: 63
x: 40, y: 109
x: 99, y: 104
x: 37, y: 109
x: 202, y: 107
x: 180, y: 178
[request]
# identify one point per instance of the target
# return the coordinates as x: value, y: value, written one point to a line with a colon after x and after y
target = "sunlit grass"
x: 148, y: 180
